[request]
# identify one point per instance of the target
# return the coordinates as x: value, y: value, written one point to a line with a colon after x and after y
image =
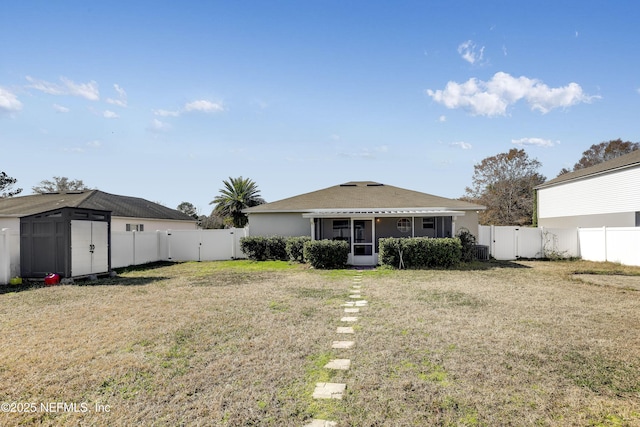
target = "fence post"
x: 169, y: 244
x: 606, y: 256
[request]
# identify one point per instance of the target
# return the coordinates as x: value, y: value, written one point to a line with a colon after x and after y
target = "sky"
x: 164, y: 100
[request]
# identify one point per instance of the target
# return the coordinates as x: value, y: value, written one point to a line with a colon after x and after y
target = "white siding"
x: 605, y: 194
x: 119, y: 223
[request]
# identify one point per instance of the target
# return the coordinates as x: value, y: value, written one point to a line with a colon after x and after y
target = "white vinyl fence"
x: 135, y: 248
x: 613, y: 244
x: 9, y: 256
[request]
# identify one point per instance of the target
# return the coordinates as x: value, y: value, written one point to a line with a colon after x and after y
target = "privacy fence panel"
x: 614, y: 244
x: 510, y: 242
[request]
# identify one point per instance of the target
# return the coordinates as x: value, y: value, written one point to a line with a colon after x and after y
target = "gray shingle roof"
x: 123, y: 206
x: 625, y: 161
x: 362, y: 195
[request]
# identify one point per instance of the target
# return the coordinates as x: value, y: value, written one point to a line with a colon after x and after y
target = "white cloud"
x: 94, y: 144
x: 539, y: 142
x: 462, y: 144
x: 84, y: 90
x: 158, y: 126
x: 470, y: 52
x: 442, y: 118
x: 68, y: 87
x: 204, y: 106
x: 9, y: 102
x: 166, y: 113
x: 122, y: 97
x: 60, y: 108
x: 110, y: 115
x: 492, y: 98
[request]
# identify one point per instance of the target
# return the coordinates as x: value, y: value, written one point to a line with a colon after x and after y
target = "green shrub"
x: 468, y: 242
x: 420, y: 252
x: 295, y: 248
x: 326, y: 253
x: 260, y: 248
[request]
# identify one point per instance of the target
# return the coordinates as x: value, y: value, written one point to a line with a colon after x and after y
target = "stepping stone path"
x: 336, y: 390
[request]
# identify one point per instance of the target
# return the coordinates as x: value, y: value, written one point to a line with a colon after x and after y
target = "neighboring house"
x: 607, y: 194
x: 127, y: 213
x: 361, y: 213
x: 70, y: 233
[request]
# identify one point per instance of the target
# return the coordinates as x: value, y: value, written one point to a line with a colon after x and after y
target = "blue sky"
x: 164, y: 100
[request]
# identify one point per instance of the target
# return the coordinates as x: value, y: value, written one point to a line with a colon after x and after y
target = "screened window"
x: 428, y: 223
x: 135, y: 227
x: 404, y: 225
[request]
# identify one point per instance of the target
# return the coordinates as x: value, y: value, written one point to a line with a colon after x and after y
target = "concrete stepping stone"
x: 345, y: 330
x: 339, y: 364
x: 354, y: 296
x: 351, y: 310
x: 343, y: 344
x: 361, y: 303
x: 329, y: 390
x: 349, y: 319
x: 321, y: 423
x: 356, y: 286
x: 354, y: 291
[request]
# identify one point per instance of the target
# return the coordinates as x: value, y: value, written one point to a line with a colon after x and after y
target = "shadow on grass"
x: 488, y: 265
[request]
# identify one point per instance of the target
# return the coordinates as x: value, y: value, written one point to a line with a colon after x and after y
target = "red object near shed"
x: 51, y: 279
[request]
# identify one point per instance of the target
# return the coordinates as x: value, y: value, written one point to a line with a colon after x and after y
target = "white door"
x: 100, y: 242
x: 362, y: 247
x: 89, y: 247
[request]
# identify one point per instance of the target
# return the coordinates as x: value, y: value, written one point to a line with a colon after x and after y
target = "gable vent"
x: 375, y: 184
x: 348, y: 185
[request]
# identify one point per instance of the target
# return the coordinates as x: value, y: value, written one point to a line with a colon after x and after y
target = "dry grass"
x: 242, y: 343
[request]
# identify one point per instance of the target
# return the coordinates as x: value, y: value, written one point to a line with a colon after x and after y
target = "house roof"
x: 622, y: 162
x: 363, y: 195
x: 122, y: 206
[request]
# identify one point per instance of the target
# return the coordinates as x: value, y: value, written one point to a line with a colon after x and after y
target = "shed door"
x: 89, y: 247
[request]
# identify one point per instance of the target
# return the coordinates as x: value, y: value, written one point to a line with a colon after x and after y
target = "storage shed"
x: 72, y: 242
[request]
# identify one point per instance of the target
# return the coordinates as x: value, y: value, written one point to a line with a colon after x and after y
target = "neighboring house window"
x: 404, y: 225
x: 135, y: 227
x: 637, y: 219
x: 341, y: 230
x: 428, y: 223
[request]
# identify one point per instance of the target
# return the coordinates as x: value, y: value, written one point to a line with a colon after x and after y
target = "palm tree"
x: 237, y: 194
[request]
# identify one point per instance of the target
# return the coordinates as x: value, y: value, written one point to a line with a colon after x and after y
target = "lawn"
x: 243, y: 344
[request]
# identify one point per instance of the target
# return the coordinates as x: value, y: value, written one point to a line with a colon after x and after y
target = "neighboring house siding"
x: 605, y: 200
x: 279, y: 224
x: 13, y: 223
x: 151, y: 225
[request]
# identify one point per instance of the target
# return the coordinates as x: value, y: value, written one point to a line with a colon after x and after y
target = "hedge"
x: 420, y: 252
x: 260, y: 248
x: 295, y: 248
x: 326, y: 253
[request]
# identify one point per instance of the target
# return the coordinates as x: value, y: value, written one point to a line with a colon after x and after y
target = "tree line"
x: 504, y: 183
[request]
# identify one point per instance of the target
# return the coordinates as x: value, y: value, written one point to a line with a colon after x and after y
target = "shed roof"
x: 622, y: 162
x: 123, y: 206
x: 359, y: 195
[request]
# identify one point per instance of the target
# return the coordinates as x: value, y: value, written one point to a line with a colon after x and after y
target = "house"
x: 70, y: 233
x: 361, y: 212
x: 606, y: 194
x: 127, y: 213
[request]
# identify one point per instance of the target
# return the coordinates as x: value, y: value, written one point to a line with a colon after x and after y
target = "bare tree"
x: 505, y: 184
x: 6, y: 185
x: 602, y: 152
x: 60, y: 184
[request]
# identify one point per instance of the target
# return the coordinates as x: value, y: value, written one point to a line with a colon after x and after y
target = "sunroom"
x: 362, y: 229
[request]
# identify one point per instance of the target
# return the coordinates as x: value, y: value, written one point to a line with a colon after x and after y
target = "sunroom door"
x: 362, y: 247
